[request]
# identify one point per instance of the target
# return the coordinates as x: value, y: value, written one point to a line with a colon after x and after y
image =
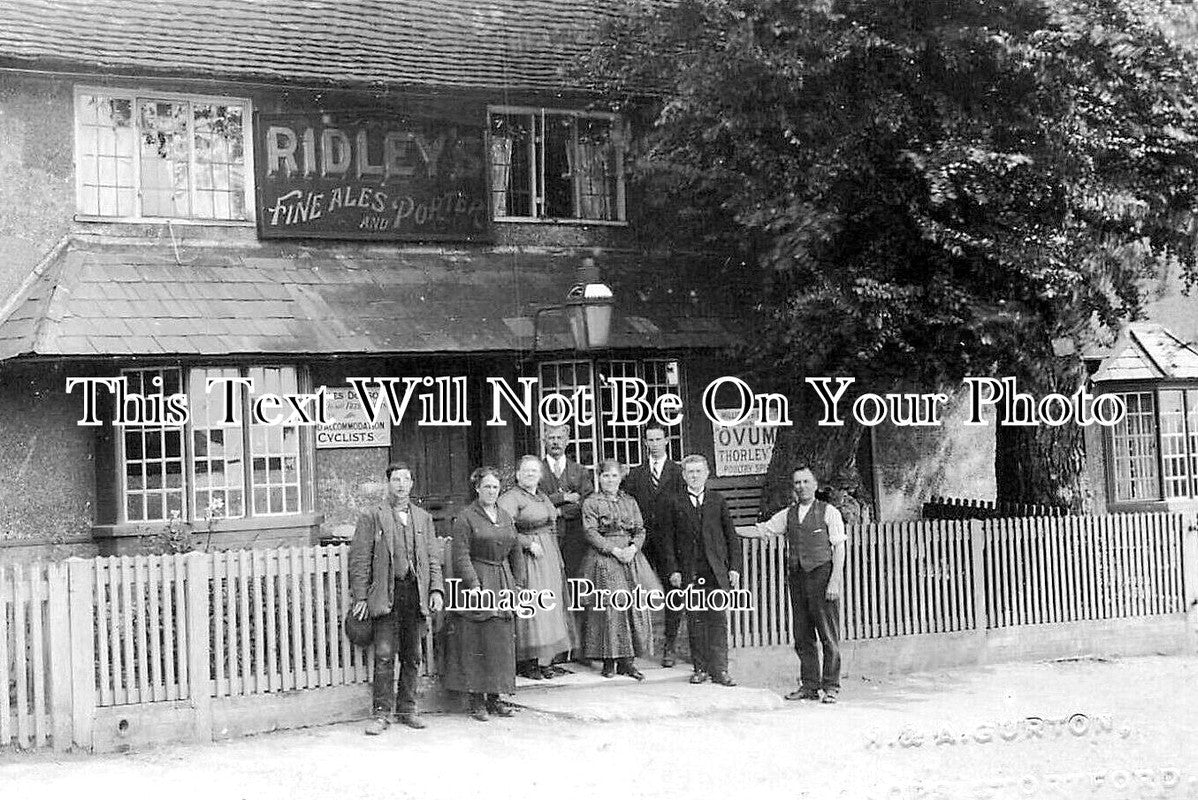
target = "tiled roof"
x: 109, y: 300
x: 512, y: 44
x: 1148, y: 351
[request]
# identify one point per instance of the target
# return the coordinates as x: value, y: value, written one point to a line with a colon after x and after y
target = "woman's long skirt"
x: 479, y: 656
x: 617, y: 633
x: 547, y: 632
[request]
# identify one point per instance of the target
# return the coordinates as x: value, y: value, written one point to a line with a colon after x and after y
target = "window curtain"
x: 591, y: 166
x: 501, y: 174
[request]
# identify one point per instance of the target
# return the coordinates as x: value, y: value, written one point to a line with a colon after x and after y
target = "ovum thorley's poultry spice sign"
x: 353, y: 176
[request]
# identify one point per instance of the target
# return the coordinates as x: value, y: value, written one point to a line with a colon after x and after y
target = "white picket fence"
x: 941, y: 576
x: 133, y: 634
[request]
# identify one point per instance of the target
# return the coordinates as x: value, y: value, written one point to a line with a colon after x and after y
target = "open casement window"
x: 590, y: 443
x: 222, y: 464
x: 556, y: 165
x: 1154, y: 449
x: 162, y: 157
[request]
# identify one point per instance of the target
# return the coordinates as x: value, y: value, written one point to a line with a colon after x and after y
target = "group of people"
x: 660, y: 528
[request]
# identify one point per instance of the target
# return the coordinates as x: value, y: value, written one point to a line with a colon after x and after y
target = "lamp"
x: 588, y: 308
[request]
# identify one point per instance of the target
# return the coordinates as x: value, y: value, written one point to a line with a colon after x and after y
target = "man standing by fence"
x: 815, y: 540
x: 395, y: 579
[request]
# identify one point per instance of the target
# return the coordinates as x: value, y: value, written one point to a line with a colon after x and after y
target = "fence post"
x: 59, y: 657
x: 82, y: 603
x: 199, y: 667
x: 1189, y: 574
x: 977, y: 560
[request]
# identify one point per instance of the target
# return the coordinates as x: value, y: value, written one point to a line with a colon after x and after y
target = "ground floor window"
x: 211, y: 468
x: 601, y: 438
x: 1154, y: 450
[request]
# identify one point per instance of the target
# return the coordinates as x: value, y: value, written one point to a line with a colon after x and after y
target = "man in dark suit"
x: 702, y: 549
x: 395, y: 579
x: 566, y: 483
x: 652, y: 484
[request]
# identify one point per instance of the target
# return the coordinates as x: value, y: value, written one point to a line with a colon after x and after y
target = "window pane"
x: 596, y: 169
x: 1133, y: 446
x: 217, y: 448
x: 621, y: 442
x: 153, y: 467
x: 512, y: 157
x: 218, y: 155
x: 106, y: 152
x: 275, y: 449
x: 559, y: 181
x: 1174, y: 456
x: 566, y: 377
x: 1192, y: 437
x: 664, y: 376
x: 165, y: 156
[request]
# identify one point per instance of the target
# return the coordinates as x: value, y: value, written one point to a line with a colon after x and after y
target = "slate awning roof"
x: 1148, y: 351
x: 137, y: 300
x: 513, y: 44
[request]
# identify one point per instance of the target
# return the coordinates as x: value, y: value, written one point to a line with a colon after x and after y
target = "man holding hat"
x: 395, y: 580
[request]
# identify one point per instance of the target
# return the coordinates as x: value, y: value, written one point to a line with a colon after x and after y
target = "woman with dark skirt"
x: 480, y: 645
x: 546, y: 633
x: 615, y: 533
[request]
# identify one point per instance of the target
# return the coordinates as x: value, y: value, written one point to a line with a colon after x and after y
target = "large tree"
x: 925, y: 189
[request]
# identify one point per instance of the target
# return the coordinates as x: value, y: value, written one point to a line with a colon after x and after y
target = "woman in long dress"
x: 480, y: 645
x: 615, y: 533
x: 545, y: 633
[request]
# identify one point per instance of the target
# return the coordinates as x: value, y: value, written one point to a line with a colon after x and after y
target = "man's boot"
x: 667, y: 655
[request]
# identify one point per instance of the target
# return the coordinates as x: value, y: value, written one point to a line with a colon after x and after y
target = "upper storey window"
x: 142, y: 156
x: 555, y: 165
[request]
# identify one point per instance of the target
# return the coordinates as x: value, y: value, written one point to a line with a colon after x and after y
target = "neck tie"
x: 655, y: 474
x: 695, y: 500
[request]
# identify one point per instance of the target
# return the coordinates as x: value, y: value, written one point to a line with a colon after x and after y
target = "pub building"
x: 300, y: 195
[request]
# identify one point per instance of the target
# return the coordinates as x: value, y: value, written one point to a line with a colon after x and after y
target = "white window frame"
x: 1174, y: 468
x: 245, y: 430
x: 600, y: 434
x: 537, y: 172
x: 137, y: 95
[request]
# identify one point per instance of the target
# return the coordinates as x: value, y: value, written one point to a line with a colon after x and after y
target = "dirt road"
x: 1088, y: 729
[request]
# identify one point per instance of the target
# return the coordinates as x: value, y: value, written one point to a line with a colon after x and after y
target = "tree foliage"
x: 929, y: 188
x: 926, y: 180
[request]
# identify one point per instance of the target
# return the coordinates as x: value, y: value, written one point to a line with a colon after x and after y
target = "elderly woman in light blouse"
x: 546, y: 633
x: 615, y: 533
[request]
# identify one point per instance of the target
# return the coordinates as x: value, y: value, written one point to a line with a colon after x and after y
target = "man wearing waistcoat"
x: 815, y: 540
x: 395, y: 579
x: 654, y: 484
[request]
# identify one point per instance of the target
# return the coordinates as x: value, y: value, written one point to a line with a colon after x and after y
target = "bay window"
x: 1154, y: 449
x: 211, y: 468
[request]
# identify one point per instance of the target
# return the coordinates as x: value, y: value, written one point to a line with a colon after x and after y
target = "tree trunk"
x: 1043, y: 464
x: 832, y: 454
